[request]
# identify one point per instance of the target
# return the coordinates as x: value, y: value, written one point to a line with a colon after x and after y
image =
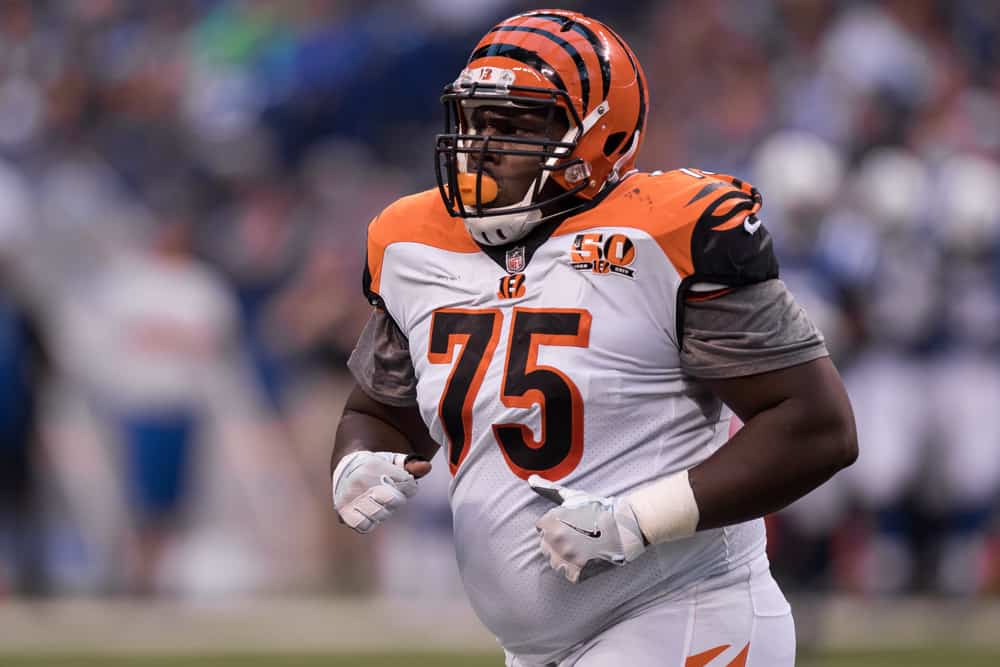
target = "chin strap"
x: 504, y: 228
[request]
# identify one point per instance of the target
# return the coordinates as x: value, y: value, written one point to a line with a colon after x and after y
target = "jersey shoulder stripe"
x: 699, y: 219
x: 419, y: 218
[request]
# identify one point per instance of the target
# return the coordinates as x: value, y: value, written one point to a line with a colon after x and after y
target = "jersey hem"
x: 764, y: 365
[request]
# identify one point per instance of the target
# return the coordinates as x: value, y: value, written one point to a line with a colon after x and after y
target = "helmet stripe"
x: 595, y: 42
x: 525, y: 56
x: 639, y: 81
x: 581, y: 66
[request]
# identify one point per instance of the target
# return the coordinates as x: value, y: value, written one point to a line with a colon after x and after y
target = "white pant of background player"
x: 739, y: 619
x: 929, y: 427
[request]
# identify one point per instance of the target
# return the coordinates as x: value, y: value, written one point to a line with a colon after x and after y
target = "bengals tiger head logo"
x: 511, y: 286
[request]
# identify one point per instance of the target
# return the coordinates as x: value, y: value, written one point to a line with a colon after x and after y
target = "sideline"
x: 297, y: 625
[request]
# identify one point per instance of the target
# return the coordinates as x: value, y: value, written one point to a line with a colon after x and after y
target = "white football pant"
x: 739, y: 619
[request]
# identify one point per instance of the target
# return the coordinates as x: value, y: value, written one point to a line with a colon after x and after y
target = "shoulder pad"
x: 419, y: 218
x: 729, y: 243
x: 719, y: 237
x: 708, y: 226
x: 705, y: 223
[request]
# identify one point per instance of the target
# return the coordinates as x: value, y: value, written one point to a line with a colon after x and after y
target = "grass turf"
x: 931, y: 657
x: 365, y: 660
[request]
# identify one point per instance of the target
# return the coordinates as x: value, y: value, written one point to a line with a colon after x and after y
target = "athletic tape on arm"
x: 666, y: 509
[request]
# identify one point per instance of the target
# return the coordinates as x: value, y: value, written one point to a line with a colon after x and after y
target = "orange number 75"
x: 525, y: 384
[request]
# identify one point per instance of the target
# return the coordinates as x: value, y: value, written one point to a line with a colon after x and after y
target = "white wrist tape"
x: 666, y: 509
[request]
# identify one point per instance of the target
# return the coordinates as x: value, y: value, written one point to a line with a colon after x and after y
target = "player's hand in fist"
x: 369, y: 486
x: 585, y: 534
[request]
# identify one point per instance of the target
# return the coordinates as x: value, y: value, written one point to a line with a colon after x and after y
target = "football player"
x: 577, y: 334
x: 931, y: 319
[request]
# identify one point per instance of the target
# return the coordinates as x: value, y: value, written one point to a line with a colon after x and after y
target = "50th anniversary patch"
x: 611, y: 255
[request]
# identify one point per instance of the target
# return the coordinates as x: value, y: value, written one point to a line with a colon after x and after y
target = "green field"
x: 940, y: 657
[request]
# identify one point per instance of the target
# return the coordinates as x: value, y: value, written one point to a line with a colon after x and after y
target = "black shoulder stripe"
x: 366, y: 287
x: 710, y: 219
x: 708, y: 189
x: 581, y: 66
x: 525, y: 56
x: 595, y: 43
x: 735, y: 255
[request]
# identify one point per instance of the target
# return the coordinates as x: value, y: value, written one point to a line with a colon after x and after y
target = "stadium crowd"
x: 184, y: 189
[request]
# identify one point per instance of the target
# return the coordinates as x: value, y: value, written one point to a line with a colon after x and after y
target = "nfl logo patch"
x: 515, y: 259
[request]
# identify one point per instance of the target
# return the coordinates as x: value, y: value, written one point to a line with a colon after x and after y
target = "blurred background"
x: 184, y: 189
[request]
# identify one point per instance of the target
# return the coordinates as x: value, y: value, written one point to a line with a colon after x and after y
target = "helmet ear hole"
x: 631, y: 146
x: 613, y: 141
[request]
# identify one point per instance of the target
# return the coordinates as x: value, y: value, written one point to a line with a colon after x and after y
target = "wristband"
x: 666, y: 509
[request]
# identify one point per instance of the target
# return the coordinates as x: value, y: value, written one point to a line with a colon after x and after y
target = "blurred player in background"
x: 930, y: 326
x: 578, y: 346
x: 25, y: 363
x: 169, y: 328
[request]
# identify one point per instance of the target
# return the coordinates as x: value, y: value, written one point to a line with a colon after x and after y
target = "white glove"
x: 586, y: 534
x: 369, y: 486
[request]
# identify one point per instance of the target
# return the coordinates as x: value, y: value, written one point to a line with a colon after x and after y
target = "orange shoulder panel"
x: 668, y: 206
x: 419, y: 218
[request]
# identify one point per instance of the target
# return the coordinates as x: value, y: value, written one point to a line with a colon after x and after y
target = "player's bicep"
x: 386, y: 386
x: 405, y: 420
x: 814, y: 386
x: 756, y: 348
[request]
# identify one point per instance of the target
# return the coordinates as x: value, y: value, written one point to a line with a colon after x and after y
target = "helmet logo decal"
x: 493, y: 75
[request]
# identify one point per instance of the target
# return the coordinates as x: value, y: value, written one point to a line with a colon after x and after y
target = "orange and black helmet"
x: 563, y: 61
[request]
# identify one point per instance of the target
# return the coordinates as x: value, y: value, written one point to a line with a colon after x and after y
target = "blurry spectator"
x: 169, y: 327
x: 967, y: 482
x: 930, y: 325
x: 260, y: 244
x: 24, y: 367
x: 292, y: 121
x: 24, y: 363
x: 891, y: 383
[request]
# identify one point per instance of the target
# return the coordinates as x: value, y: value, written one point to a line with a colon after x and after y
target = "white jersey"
x: 167, y: 323
x: 562, y: 358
